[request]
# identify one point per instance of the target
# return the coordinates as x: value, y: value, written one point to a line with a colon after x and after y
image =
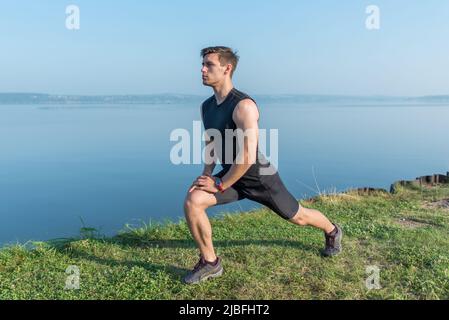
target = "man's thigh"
x: 273, y: 194
x: 228, y: 196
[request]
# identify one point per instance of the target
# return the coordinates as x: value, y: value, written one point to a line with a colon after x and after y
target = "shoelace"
x: 199, y: 264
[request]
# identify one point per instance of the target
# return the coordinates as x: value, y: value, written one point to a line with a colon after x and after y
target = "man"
x: 244, y: 176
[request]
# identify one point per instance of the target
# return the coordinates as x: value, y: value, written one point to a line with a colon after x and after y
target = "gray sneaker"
x: 333, y: 243
x: 203, y: 271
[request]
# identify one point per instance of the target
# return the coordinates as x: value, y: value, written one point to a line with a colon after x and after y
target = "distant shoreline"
x: 50, y: 99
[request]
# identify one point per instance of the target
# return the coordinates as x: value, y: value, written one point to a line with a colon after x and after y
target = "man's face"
x: 212, y: 71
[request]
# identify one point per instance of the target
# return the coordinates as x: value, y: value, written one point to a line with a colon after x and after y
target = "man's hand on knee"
x: 205, y: 183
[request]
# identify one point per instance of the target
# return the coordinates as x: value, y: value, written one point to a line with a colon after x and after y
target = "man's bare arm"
x: 245, y: 116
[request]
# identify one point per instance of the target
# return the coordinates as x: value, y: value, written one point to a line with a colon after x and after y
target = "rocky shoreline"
x: 429, y: 180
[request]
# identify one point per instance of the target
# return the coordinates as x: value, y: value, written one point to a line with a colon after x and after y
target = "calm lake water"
x: 110, y: 165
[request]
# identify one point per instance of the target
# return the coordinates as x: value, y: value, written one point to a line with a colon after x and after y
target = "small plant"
x: 88, y: 232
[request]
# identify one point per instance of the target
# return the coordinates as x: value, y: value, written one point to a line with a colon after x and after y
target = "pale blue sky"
x: 290, y: 46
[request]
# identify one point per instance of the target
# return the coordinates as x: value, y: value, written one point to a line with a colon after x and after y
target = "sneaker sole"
x: 211, y: 276
x: 208, y: 277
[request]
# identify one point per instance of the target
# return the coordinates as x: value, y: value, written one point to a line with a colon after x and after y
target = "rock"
x: 420, y: 181
x: 369, y: 190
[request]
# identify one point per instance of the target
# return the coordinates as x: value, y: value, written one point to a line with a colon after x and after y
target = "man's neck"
x: 222, y: 91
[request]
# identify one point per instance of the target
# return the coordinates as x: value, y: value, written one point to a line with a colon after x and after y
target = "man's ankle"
x: 212, y: 262
x: 333, y: 232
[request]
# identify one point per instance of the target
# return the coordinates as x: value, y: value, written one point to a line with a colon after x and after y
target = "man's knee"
x: 196, y: 200
x: 299, y: 218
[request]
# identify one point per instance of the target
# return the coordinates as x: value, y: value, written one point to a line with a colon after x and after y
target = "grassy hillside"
x: 406, y: 235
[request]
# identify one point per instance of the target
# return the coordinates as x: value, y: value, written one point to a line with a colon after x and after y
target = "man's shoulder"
x: 246, y: 105
x: 246, y: 108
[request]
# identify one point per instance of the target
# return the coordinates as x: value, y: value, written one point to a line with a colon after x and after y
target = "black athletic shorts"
x: 268, y: 190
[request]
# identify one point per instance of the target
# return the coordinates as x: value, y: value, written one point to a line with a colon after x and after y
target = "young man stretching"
x: 231, y: 109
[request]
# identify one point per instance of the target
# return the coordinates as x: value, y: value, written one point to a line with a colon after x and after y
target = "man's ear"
x: 228, y: 68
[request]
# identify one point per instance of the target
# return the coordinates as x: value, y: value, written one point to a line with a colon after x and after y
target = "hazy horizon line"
x: 201, y: 95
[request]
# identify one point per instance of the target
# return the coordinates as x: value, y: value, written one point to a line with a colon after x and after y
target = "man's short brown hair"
x: 226, y: 55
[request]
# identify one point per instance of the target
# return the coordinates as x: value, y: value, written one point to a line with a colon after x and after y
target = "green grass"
x: 264, y: 257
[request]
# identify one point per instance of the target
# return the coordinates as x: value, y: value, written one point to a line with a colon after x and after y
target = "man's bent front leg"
x: 314, y: 218
x: 195, y: 206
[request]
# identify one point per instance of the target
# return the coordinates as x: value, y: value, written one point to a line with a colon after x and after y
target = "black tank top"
x: 219, y: 117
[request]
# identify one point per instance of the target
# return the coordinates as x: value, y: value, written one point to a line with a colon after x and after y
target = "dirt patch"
x: 440, y: 204
x: 412, y: 223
